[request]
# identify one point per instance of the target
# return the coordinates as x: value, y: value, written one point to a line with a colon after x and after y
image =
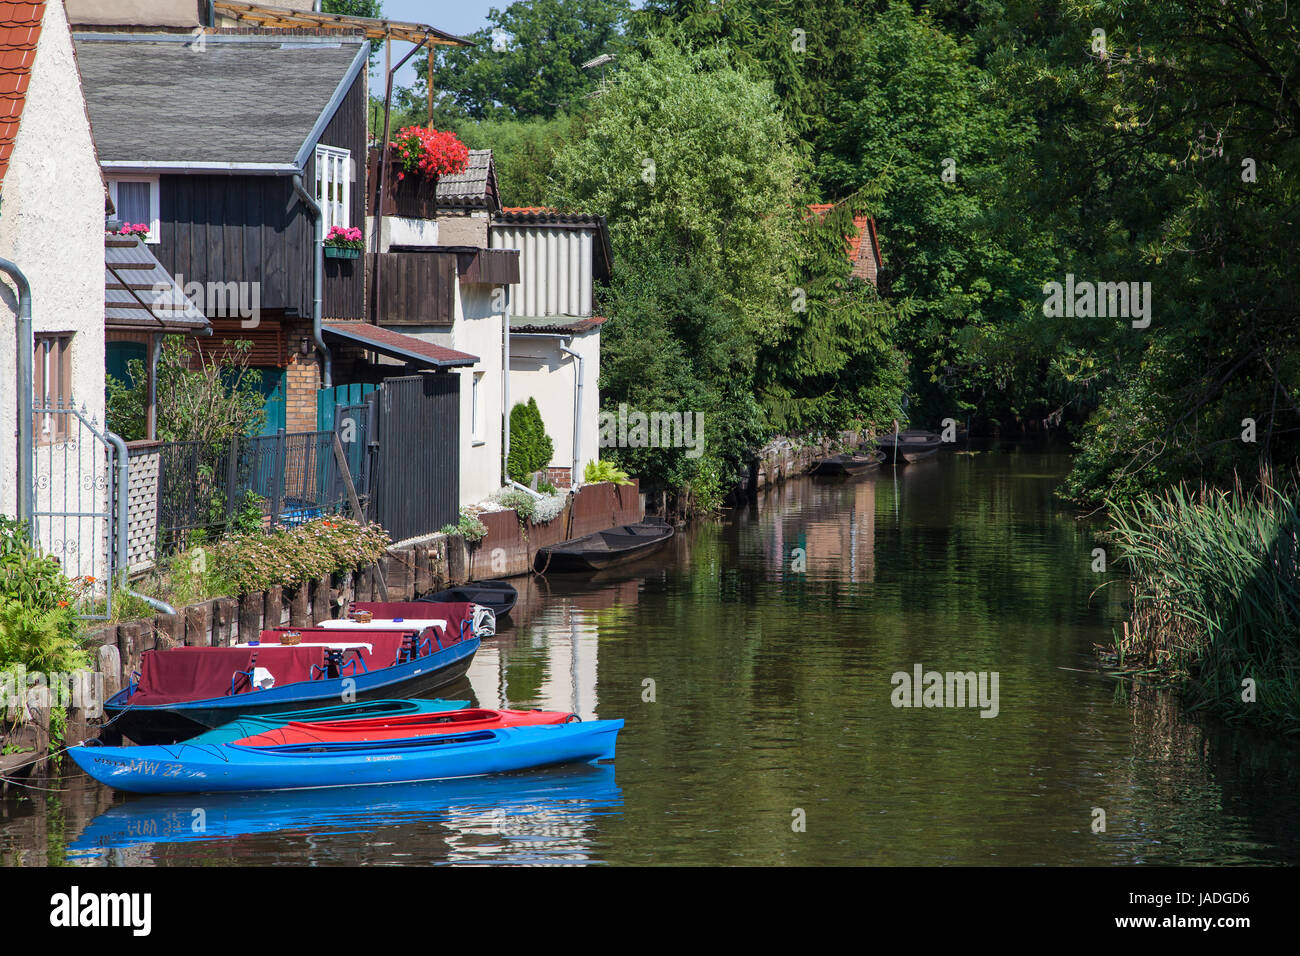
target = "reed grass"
x: 1215, y: 586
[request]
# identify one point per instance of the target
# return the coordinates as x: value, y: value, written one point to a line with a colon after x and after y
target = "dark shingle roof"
x: 159, y: 99
x: 476, y: 186
x: 397, y: 345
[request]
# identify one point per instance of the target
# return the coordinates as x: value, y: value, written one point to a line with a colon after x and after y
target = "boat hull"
x: 169, y: 723
x: 187, y: 768
x: 908, y: 447
x: 500, y: 596
x: 847, y: 466
x: 578, y: 555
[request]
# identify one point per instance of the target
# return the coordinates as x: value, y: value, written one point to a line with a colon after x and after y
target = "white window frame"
x: 476, y: 409
x: 334, y: 168
x: 154, y: 216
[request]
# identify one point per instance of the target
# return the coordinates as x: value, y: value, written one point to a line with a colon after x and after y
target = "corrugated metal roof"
x: 555, y: 324
x: 140, y: 295
x: 159, y: 98
x: 476, y: 186
x: 395, y: 344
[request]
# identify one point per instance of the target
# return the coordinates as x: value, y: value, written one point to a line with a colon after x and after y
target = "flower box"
x: 341, y: 252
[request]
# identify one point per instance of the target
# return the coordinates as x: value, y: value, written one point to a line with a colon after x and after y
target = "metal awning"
x: 407, y: 348
x: 141, y: 296
x: 373, y: 29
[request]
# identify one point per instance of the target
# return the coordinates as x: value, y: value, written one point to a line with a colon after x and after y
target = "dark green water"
x: 772, y: 695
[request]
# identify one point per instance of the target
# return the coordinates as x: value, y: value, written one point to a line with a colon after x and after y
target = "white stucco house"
x: 52, y: 208
x: 554, y: 331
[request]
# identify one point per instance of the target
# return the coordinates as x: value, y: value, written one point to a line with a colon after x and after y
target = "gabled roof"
x: 223, y: 102
x: 20, y: 30
x: 396, y: 345
x: 864, y: 227
x: 476, y: 186
x: 141, y: 296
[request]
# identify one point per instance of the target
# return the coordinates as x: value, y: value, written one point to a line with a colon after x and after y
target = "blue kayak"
x: 197, y: 768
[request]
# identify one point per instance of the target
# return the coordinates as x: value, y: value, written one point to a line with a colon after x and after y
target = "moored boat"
x: 500, y: 596
x: 603, y: 549
x: 248, y: 726
x: 238, y: 765
x: 909, y: 446
x: 187, y: 690
x: 409, y: 725
x: 848, y: 464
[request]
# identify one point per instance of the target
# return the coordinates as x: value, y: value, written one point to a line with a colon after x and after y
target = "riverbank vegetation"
x: 1215, y: 582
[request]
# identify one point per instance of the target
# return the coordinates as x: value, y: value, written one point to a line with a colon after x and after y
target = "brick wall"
x: 301, y: 383
x: 560, y: 477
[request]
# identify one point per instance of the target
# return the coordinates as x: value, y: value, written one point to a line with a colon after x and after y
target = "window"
x: 476, y: 410
x: 334, y: 186
x: 52, y: 385
x: 136, y: 200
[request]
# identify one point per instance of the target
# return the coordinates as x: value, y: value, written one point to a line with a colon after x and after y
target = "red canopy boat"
x: 401, y: 728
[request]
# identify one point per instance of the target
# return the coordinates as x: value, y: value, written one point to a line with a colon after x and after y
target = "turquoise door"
x: 272, y: 387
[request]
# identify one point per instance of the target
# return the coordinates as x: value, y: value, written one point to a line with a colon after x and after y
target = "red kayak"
x: 409, y: 725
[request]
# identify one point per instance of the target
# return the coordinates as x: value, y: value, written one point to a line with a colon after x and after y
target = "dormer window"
x: 334, y: 186
x: 136, y: 200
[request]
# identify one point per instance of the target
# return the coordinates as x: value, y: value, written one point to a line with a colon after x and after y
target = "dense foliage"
x: 294, y: 556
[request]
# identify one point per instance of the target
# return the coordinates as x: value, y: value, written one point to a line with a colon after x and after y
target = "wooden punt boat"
x: 604, y: 549
x: 909, y: 446
x: 500, y: 596
x: 847, y: 465
x: 187, y: 690
x: 239, y: 765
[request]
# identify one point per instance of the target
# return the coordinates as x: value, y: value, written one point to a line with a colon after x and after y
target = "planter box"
x: 340, y: 252
x: 413, y: 196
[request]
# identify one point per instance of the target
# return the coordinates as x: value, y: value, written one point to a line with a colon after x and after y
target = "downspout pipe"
x: 24, y: 360
x: 577, y: 410
x: 327, y: 364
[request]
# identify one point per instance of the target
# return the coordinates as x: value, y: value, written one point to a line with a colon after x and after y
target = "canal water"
x: 754, y: 665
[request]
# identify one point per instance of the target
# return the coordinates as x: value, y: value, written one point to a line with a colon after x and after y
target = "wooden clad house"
x: 212, y: 142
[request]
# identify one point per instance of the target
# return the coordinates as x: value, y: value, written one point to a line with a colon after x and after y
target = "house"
x: 51, y: 229
x: 863, y: 245
x: 234, y: 155
x: 554, y: 331
x: 432, y: 277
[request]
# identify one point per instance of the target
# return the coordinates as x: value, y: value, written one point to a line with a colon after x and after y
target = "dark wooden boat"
x: 909, y: 446
x: 500, y: 596
x: 604, y: 549
x: 847, y: 465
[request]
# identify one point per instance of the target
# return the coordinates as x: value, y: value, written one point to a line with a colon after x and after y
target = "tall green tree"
x: 527, y: 62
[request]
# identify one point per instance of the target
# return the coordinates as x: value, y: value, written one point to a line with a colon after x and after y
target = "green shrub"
x: 531, y: 448
x: 256, y: 561
x: 598, y: 471
x: 469, y: 528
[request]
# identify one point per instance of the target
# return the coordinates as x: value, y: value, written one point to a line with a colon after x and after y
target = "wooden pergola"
x: 278, y: 18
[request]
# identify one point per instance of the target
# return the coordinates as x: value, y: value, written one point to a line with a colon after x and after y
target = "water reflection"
x: 546, y: 816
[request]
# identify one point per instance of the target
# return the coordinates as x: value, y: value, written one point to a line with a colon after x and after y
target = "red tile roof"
x: 398, y: 345
x: 863, y: 227
x: 20, y: 29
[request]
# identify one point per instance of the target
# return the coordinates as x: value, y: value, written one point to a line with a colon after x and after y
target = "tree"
x: 527, y: 63
x: 219, y: 400
x: 531, y: 449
